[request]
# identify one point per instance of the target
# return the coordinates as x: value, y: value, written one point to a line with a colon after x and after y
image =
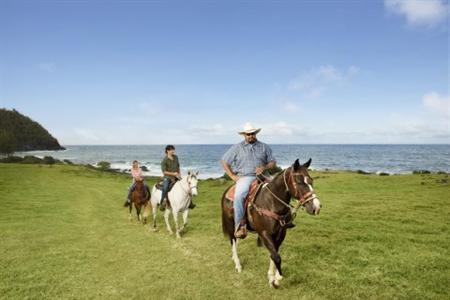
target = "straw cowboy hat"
x: 249, y: 128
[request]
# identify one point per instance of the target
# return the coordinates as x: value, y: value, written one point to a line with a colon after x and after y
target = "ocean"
x: 393, y: 159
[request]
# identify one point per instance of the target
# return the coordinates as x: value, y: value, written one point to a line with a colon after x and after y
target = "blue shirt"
x: 244, y: 157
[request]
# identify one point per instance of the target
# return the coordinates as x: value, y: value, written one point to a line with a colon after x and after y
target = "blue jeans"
x: 242, y: 188
x: 165, y: 188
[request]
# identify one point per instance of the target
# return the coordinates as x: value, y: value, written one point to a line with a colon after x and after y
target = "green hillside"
x: 20, y: 133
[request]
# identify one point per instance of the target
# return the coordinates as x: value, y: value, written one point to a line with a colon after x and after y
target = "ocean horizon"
x: 205, y: 158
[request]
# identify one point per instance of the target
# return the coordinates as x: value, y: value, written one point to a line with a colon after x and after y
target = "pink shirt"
x: 136, y: 173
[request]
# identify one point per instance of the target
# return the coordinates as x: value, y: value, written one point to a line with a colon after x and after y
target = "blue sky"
x: 157, y: 72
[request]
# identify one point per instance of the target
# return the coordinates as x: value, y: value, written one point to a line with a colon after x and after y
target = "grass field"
x: 64, y: 234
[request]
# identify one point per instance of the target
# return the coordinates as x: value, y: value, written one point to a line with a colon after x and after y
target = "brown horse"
x: 270, y: 212
x: 140, y: 198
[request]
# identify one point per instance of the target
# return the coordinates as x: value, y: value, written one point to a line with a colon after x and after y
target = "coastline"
x: 49, y: 160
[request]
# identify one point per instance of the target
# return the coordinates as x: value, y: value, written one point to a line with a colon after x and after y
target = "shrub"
x: 29, y: 159
x: 225, y: 176
x: 68, y: 162
x: 362, y: 172
x: 48, y: 160
x: 11, y: 159
x: 421, y: 172
x: 103, y: 165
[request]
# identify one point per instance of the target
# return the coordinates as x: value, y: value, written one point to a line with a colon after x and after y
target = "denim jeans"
x: 242, y: 189
x: 165, y: 188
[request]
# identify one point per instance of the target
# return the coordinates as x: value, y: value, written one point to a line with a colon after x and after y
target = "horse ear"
x: 189, y: 172
x: 296, y: 165
x: 307, y: 164
x: 196, y: 173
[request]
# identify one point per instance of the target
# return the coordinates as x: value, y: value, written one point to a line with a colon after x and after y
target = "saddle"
x: 159, y: 184
x: 255, y: 187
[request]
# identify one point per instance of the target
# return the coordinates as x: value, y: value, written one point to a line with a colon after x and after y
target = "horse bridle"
x: 302, y: 198
x: 191, y: 187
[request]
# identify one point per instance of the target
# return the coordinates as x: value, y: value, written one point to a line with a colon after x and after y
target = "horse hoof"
x: 238, y: 269
x: 274, y: 284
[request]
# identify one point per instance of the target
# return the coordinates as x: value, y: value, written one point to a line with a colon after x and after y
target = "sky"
x: 193, y: 72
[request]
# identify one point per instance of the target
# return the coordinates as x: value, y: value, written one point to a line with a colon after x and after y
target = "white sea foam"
x: 392, y: 159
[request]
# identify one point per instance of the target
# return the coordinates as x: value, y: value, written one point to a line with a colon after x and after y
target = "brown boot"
x: 241, y: 232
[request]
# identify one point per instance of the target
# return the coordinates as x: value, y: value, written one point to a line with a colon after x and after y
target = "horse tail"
x: 147, y: 189
x: 126, y: 204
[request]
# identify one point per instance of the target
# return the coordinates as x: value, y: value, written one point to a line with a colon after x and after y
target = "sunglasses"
x: 250, y: 134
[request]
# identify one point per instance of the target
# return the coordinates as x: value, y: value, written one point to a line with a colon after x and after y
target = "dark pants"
x: 165, y: 188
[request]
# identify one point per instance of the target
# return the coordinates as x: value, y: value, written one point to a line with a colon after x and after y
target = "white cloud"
x: 46, y: 67
x: 419, y: 12
x: 282, y: 128
x: 437, y: 103
x: 313, y: 83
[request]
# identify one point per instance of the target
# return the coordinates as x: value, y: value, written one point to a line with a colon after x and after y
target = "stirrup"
x: 241, y: 232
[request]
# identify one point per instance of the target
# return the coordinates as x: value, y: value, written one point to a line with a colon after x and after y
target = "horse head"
x: 139, y: 185
x: 300, y: 184
x: 192, y: 183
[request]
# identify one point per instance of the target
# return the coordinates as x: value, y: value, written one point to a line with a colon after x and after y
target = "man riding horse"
x: 242, y: 162
x: 170, y: 168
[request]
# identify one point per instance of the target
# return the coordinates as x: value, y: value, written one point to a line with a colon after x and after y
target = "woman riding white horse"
x: 180, y: 197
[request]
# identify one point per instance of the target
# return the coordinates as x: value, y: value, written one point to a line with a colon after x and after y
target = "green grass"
x: 64, y: 234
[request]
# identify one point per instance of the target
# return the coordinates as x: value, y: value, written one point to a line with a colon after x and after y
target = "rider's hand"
x: 259, y: 170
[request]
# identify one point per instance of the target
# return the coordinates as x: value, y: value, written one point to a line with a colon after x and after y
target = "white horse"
x: 180, y: 197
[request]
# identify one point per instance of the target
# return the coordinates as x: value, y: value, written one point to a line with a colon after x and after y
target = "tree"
x: 7, y: 142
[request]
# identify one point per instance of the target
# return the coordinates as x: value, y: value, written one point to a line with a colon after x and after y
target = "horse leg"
x: 146, y: 212
x: 175, y: 219
x: 234, y: 255
x: 138, y: 213
x: 129, y: 214
x: 166, y: 219
x: 185, y: 218
x: 275, y: 260
x: 278, y: 240
x: 154, y: 216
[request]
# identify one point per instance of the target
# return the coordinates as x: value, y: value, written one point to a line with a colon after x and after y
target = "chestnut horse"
x: 271, y: 211
x: 140, y: 198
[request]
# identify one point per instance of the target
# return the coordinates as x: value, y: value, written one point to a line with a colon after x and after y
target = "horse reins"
x: 189, y: 191
x: 302, y: 199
